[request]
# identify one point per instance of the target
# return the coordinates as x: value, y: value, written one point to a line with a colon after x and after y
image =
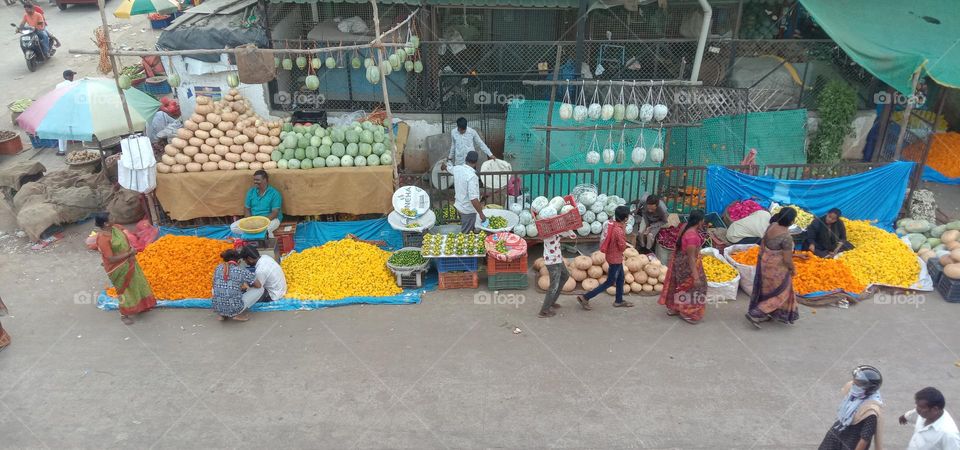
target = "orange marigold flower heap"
x: 747, y: 257
x: 816, y: 274
x: 179, y: 267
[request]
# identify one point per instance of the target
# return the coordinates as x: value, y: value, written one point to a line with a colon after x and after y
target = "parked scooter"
x: 31, y: 47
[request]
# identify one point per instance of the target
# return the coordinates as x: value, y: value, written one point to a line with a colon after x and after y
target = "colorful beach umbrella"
x: 134, y: 7
x: 86, y: 108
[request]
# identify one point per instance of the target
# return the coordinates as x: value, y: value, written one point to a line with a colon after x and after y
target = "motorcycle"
x: 31, y: 47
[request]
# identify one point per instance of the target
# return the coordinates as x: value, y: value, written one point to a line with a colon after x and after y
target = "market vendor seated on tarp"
x: 750, y: 229
x: 827, y: 236
x: 262, y: 200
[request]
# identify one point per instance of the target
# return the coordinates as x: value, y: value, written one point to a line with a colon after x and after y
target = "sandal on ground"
x: 242, y: 317
x: 753, y: 320
x: 672, y: 313
x: 555, y: 305
x: 689, y: 320
x: 127, y: 320
x: 584, y: 303
x: 4, y: 340
x: 546, y: 314
x: 222, y: 318
x: 623, y: 304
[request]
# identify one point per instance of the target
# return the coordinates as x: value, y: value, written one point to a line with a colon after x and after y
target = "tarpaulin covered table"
x: 329, y: 190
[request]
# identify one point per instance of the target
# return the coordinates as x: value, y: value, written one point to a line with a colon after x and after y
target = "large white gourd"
x: 566, y: 111
x: 656, y: 155
x: 606, y: 112
x: 608, y: 155
x: 593, y: 157
x: 646, y: 112
x: 632, y: 112
x: 593, y: 112
x: 638, y: 155
x: 579, y: 113
x: 660, y: 112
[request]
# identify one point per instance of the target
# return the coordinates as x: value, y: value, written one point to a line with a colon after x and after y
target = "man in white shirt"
x: 934, y: 429
x: 466, y: 186
x: 750, y: 229
x: 67, y: 81
x: 464, y: 139
x: 269, y: 274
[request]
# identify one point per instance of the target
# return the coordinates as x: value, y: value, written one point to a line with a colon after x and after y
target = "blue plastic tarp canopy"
x: 312, y: 234
x: 876, y: 195
x: 930, y: 174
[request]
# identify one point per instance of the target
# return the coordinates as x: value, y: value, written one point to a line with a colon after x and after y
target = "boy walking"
x: 612, y: 247
x: 558, y: 272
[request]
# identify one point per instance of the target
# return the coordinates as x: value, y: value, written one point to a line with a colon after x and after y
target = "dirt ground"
x: 447, y: 373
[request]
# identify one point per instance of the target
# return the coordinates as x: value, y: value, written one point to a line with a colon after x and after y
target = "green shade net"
x: 893, y: 39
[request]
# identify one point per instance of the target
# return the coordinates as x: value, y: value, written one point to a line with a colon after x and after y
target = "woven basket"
x: 253, y: 224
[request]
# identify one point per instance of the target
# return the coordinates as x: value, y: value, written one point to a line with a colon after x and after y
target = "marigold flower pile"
x: 718, y: 271
x: 804, y: 218
x: 339, y: 269
x: 814, y: 274
x: 879, y: 257
x: 179, y: 267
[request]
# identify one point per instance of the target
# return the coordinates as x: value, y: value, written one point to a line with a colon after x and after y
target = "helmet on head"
x: 867, y: 377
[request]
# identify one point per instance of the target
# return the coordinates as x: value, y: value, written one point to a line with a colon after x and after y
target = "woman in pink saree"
x: 773, y: 296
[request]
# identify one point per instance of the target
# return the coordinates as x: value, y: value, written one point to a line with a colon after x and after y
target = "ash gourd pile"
x: 641, y: 274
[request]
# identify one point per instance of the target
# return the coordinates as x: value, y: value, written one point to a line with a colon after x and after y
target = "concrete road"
x: 74, y: 27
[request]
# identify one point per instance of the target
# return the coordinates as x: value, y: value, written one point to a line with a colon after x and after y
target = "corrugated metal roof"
x: 466, y: 3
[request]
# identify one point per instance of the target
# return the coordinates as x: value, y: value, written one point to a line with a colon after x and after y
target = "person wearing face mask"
x: 858, y: 417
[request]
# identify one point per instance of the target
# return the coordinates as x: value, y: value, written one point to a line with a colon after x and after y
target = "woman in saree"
x: 120, y: 263
x: 685, y: 286
x: 773, y: 296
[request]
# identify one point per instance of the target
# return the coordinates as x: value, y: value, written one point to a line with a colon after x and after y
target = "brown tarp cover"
x: 60, y: 197
x: 12, y: 175
x: 351, y: 190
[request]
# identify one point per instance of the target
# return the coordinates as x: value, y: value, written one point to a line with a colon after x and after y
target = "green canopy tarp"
x: 894, y: 38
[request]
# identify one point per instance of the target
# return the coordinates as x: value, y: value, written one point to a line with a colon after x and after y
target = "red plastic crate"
x: 561, y: 222
x: 516, y: 266
x: 459, y: 280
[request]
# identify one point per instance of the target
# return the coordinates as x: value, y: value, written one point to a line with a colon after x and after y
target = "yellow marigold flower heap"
x: 179, y: 267
x: 879, y: 256
x: 718, y: 271
x: 339, y: 269
x: 804, y: 218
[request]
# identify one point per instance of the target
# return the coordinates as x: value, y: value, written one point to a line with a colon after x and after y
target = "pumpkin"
x: 225, y: 126
x: 595, y: 272
x: 275, y: 132
x: 631, y: 252
x: 578, y: 275
x: 269, y: 165
x: 544, y: 271
x: 163, y: 167
x: 190, y: 125
x: 201, y: 135
x: 211, y: 141
x: 209, y: 166
x: 233, y: 134
x: 658, y: 287
x: 238, y: 149
x: 184, y: 133
x: 946, y: 260
x: 256, y: 165
x: 261, y: 139
x: 274, y: 140
x: 262, y: 157
x: 206, y: 126
x: 203, y: 110
x: 950, y: 236
x: 167, y: 159
x: 952, y: 245
x: 640, y: 277
x: 598, y: 258
x: 582, y: 263
x: 195, y: 142
x: 232, y: 157
x: 266, y: 149
x: 628, y: 278
x: 178, y: 143
x: 626, y: 288
x: 225, y: 165
x: 632, y: 264
x: 194, y: 167
x: 178, y: 168
x: 242, y: 165
x: 606, y: 267
x: 952, y: 271
x: 569, y: 285
x: 590, y: 284
x: 612, y: 290
x: 250, y: 147
x: 204, y: 100
x: 538, y: 264
x: 213, y: 118
x: 262, y: 129
x: 170, y: 149
x: 226, y: 141
x: 663, y: 276
x: 197, y: 118
x: 229, y: 116
x: 206, y: 149
x: 215, y: 157
x: 248, y: 157
x: 241, y: 139
x: 191, y: 150
x: 652, y: 270
x: 955, y: 254
x: 201, y: 158
x: 221, y: 149
x: 543, y: 282
x: 250, y: 132
x: 180, y: 158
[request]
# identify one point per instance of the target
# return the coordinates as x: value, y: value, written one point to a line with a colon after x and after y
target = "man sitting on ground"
x: 272, y: 280
x: 262, y: 200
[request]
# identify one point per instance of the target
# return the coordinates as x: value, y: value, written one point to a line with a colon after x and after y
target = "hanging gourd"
x: 331, y: 63
x: 312, y: 82
x: 373, y: 74
x: 394, y: 61
x: 594, y: 110
x: 593, y: 156
x: 316, y: 62
x: 173, y: 80
x: 660, y: 111
x: 619, y: 110
x: 287, y: 63
x: 402, y: 54
x: 124, y: 81
x: 385, y: 67
x: 566, y: 108
x: 414, y: 42
x: 408, y: 66
x: 606, y: 111
x: 355, y: 62
x: 276, y: 62
x: 301, y: 62
x: 639, y: 154
x: 417, y: 66
x: 233, y: 80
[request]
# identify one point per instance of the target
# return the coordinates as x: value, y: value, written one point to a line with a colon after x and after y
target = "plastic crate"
x: 36, y: 142
x: 317, y: 117
x: 495, y: 267
x: 457, y: 264
x: 410, y: 281
x: 459, y: 280
x: 935, y: 269
x: 412, y: 239
x: 505, y: 281
x: 561, y: 222
x: 949, y: 288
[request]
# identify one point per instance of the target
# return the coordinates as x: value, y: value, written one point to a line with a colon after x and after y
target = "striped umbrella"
x: 133, y: 7
x: 87, y: 108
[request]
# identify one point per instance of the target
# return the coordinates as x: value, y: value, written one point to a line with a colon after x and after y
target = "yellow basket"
x: 253, y: 224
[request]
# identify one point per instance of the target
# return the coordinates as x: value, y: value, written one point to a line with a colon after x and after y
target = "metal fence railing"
x: 817, y: 171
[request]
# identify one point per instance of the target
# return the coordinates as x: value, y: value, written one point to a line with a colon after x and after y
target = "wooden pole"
x: 553, y: 99
x: 918, y: 170
x: 905, y: 122
x: 113, y: 66
x: 378, y: 44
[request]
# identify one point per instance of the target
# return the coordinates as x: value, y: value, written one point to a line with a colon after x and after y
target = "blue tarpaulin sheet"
x: 309, y: 234
x: 930, y: 174
x: 875, y: 195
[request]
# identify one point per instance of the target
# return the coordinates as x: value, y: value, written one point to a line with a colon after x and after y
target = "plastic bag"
x: 721, y: 291
x: 747, y: 273
x: 347, y: 119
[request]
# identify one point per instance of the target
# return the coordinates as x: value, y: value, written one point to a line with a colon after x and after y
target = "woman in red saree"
x: 120, y: 263
x: 4, y: 336
x: 685, y: 286
x: 773, y: 296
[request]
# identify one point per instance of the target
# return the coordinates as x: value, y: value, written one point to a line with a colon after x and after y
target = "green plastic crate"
x: 507, y: 281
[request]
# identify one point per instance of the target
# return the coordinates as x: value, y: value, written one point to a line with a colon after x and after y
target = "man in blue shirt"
x: 262, y: 200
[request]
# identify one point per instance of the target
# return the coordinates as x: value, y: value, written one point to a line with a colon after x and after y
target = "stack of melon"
x: 951, y: 260
x: 221, y: 135
x: 358, y: 144
x: 642, y: 275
